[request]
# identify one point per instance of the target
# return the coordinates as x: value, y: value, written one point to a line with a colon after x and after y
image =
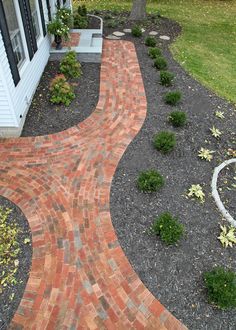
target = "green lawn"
x: 207, y: 46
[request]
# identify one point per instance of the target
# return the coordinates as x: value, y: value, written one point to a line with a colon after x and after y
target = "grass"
x: 207, y: 46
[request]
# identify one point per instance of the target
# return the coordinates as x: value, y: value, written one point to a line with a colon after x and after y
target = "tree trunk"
x: 138, y: 11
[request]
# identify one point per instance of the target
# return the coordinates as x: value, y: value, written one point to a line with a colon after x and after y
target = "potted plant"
x: 60, y: 30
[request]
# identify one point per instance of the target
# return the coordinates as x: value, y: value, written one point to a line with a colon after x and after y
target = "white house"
x: 24, y: 52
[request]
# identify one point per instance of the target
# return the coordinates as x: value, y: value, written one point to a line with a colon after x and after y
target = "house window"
x: 14, y: 31
x: 35, y: 18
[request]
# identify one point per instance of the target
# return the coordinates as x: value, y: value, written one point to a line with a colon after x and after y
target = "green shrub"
x: 160, y: 63
x: 172, y: 98
x: 70, y: 66
x: 221, y: 287
x: 178, y: 118
x: 80, y: 22
x: 166, y: 78
x: 82, y: 10
x: 168, y: 228
x: 154, y: 52
x: 164, y: 141
x: 150, y: 181
x: 136, y: 31
x: 111, y: 23
x: 61, y: 91
x: 65, y: 15
x: 150, y: 42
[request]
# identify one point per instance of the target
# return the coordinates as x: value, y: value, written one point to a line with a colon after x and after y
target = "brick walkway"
x: 80, y: 277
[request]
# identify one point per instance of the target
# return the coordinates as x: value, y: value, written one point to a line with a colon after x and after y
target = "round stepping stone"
x: 111, y: 37
x: 127, y: 30
x: 153, y: 33
x: 164, y: 37
x: 118, y: 34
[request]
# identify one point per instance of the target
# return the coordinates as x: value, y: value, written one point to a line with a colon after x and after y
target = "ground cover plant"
x: 168, y: 228
x: 221, y: 287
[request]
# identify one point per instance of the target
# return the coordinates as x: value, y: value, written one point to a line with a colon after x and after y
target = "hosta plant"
x: 196, y: 191
x: 227, y: 236
x: 205, y: 154
x: 215, y: 132
x: 219, y: 114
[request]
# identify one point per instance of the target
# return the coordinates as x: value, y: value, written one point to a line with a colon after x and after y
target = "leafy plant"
x: 221, y: 287
x: 177, y: 118
x: 219, y: 114
x: 136, y: 31
x: 57, y: 27
x: 164, y: 141
x: 61, y: 91
x: 166, y: 78
x: 65, y: 15
x: 82, y: 10
x: 168, y: 228
x: 154, y: 52
x: 80, y: 22
x: 9, y: 249
x: 205, y: 154
x: 112, y: 23
x: 196, y: 191
x: 215, y: 132
x: 172, y: 98
x: 227, y: 236
x: 150, y: 181
x: 231, y: 152
x: 160, y: 63
x: 70, y: 66
x: 150, y: 41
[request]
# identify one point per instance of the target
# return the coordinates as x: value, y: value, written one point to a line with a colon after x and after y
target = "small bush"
x: 221, y: 287
x: 150, y: 181
x: 172, y: 98
x: 166, y: 78
x: 168, y: 228
x: 70, y: 66
x: 61, y: 91
x: 82, y: 10
x: 150, y: 42
x: 164, y: 141
x: 154, y: 52
x: 178, y: 118
x: 160, y: 63
x: 136, y: 31
x: 80, y: 22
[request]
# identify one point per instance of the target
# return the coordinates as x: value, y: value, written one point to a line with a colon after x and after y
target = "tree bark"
x: 138, y: 11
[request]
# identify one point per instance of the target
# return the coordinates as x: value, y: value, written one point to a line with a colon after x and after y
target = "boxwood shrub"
x: 164, y: 141
x: 150, y: 181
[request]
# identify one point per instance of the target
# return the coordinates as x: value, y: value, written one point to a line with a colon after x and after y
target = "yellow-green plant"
x: 215, y: 132
x: 205, y: 154
x: 196, y: 191
x: 219, y: 114
x: 227, y: 236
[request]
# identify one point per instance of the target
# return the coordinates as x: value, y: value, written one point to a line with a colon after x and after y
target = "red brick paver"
x: 80, y: 277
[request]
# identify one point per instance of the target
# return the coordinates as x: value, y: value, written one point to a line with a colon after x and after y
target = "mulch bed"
x: 46, y: 118
x: 9, y: 306
x: 174, y: 274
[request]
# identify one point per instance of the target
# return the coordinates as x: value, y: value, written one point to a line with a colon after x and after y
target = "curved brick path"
x: 80, y: 277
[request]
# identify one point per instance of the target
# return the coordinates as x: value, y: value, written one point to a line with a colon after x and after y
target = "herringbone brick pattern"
x: 80, y: 277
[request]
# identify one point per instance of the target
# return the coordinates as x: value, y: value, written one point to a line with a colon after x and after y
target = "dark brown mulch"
x: 46, y: 118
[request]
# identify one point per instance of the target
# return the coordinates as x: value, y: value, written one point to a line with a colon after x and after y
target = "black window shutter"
x: 42, y: 17
x: 8, y: 45
x: 28, y: 27
x: 49, y: 10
